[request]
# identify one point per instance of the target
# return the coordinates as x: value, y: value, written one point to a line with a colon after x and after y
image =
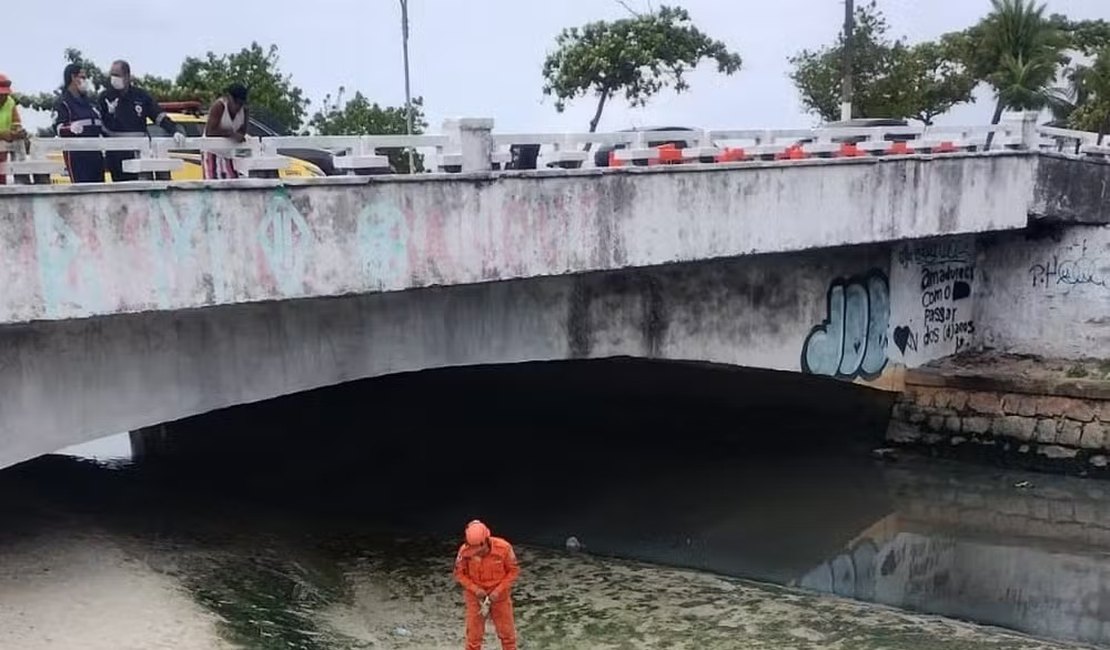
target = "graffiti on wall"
x: 940, y: 320
x: 215, y: 247
x: 851, y: 341
x: 1070, y: 266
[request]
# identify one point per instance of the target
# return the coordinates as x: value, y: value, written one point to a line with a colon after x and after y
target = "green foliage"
x: 258, y: 69
x: 637, y: 56
x: 1091, y: 94
x: 358, y: 116
x: 924, y: 82
x: 1018, y: 51
x: 1088, y: 37
x: 890, y: 78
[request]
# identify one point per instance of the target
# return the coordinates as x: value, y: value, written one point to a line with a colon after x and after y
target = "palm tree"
x: 1019, y: 51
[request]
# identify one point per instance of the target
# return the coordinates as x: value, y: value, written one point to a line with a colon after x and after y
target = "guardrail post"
x: 1030, y: 139
x: 475, y: 138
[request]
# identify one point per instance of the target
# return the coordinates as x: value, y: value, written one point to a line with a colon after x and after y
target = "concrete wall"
x: 1048, y: 294
x: 75, y: 252
x: 67, y: 382
x: 934, y: 290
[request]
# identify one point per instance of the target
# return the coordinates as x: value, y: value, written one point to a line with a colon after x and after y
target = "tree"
x: 1076, y: 105
x: 1018, y: 51
x: 1088, y: 37
x: 637, y: 56
x: 892, y: 79
x: 255, y: 67
x: 1091, y: 93
x: 360, y: 117
x: 925, y: 82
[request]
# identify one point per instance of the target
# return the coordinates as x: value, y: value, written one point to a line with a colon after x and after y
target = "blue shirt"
x: 76, y: 108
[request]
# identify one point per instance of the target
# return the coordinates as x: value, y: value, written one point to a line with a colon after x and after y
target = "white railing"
x: 471, y: 145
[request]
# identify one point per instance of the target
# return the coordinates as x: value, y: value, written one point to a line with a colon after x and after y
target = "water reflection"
x: 1028, y: 552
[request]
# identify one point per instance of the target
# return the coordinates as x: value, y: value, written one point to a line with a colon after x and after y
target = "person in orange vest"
x: 486, y: 567
x: 11, y: 128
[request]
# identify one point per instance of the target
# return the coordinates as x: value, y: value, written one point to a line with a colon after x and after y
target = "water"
x: 329, y: 521
x: 1001, y: 548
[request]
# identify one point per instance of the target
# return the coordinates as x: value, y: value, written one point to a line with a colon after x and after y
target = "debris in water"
x: 885, y: 453
x: 573, y: 545
x: 400, y: 631
x: 1022, y: 485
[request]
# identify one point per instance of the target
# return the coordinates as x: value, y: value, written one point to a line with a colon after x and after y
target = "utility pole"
x: 408, y: 87
x: 846, y: 84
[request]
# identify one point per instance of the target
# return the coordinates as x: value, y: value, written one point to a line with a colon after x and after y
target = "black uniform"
x: 125, y: 115
x: 76, y: 117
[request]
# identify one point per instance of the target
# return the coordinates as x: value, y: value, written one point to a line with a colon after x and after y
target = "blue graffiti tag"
x: 284, y: 236
x: 851, y: 342
x: 381, y: 233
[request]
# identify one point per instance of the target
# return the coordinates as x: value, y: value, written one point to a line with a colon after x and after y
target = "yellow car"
x: 188, y: 116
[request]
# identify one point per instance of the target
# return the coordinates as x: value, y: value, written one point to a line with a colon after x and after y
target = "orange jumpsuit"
x: 493, y: 573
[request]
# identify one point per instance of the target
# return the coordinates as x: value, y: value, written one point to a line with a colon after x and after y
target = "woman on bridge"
x: 228, y: 118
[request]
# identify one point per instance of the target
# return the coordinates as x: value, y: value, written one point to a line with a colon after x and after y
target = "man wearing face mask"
x: 126, y: 109
x: 75, y: 116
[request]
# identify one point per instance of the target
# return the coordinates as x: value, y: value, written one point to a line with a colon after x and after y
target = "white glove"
x: 179, y: 138
x: 76, y: 129
x: 484, y: 609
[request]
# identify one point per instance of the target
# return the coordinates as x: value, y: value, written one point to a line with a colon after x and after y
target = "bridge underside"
x: 71, y: 381
x: 858, y: 314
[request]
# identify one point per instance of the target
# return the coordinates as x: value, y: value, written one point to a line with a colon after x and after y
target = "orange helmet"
x: 5, y: 85
x: 476, y: 533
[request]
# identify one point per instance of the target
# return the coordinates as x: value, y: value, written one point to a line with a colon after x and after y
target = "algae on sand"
x: 373, y: 590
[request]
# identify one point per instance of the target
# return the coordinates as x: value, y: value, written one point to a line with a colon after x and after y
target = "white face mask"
x: 118, y: 83
x: 84, y: 86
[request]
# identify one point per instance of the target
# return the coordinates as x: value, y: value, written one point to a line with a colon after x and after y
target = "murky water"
x: 715, y: 511
x: 1027, y: 552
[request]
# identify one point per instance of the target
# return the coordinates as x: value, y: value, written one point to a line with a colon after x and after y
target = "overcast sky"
x: 470, y: 58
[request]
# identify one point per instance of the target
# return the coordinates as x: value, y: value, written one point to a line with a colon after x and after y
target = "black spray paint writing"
x: 934, y: 254
x: 851, y: 341
x: 945, y: 320
x: 947, y: 275
x: 1071, y: 268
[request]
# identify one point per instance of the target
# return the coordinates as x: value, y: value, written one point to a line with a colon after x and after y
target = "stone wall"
x: 1067, y: 422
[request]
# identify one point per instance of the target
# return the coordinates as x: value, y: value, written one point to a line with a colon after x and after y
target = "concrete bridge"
x: 131, y: 305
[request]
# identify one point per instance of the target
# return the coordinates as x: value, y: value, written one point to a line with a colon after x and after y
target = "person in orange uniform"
x: 486, y: 567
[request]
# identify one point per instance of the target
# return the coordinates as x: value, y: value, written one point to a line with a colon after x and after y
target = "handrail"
x: 455, y: 150
x: 1085, y: 137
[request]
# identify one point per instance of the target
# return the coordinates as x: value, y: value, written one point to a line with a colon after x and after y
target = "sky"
x: 474, y: 58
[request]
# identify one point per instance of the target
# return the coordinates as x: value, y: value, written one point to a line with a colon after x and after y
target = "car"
x: 189, y: 116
